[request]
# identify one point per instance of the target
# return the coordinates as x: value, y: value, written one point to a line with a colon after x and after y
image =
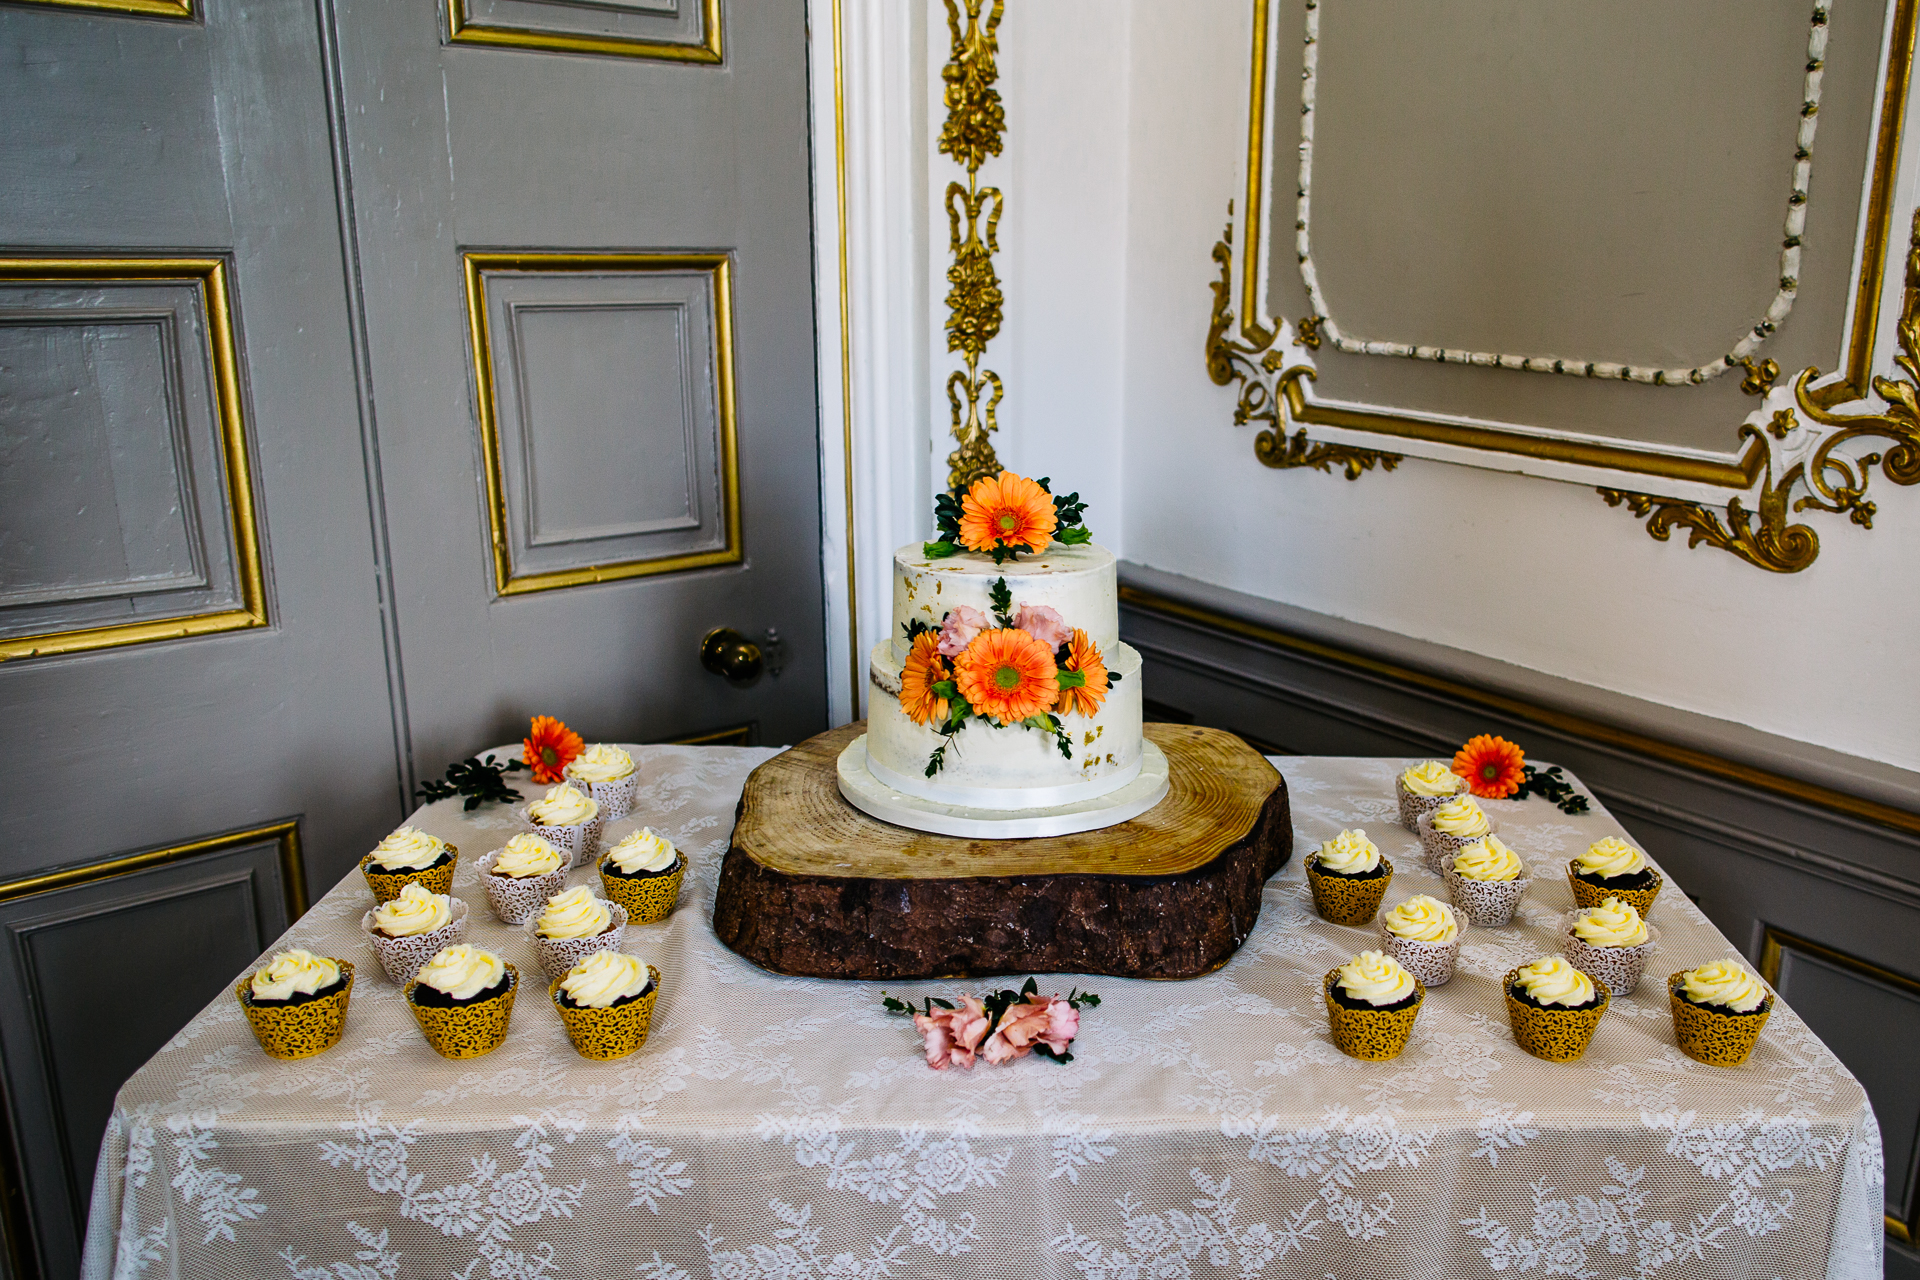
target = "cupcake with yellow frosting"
x: 568, y: 819
x: 1424, y: 936
x: 521, y: 875
x: 1371, y: 1003
x: 463, y: 998
x: 606, y: 773
x: 606, y: 1004
x: 1718, y: 1010
x: 1486, y: 881
x: 1452, y: 824
x: 409, y: 856
x: 1348, y: 877
x: 1425, y: 787
x: 1612, y: 868
x: 643, y: 873
x: 1609, y: 942
x: 1554, y: 1008
x: 572, y: 926
x: 406, y: 931
x: 297, y: 1003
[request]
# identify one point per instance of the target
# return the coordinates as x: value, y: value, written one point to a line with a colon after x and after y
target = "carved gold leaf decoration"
x: 976, y: 119
x: 1265, y: 378
x: 1833, y: 482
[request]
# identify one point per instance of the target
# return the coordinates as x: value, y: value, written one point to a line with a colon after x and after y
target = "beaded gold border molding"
x: 976, y: 119
x: 463, y: 29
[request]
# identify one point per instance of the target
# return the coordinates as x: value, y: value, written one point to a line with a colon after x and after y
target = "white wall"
x: 1126, y: 128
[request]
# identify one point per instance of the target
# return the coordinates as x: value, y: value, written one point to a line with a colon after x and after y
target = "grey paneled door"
x: 588, y: 297
x: 373, y: 375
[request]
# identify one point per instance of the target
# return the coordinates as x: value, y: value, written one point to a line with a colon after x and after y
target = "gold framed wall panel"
x: 293, y: 872
x: 210, y: 276
x: 462, y: 29
x: 719, y: 268
x: 150, y: 8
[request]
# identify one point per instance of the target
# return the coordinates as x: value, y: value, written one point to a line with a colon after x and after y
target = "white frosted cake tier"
x: 1078, y: 581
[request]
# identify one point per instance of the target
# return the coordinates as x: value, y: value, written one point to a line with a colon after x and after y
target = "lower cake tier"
x: 989, y: 767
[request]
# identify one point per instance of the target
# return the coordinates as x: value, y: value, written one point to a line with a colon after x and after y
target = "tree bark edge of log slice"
x: 1158, y: 925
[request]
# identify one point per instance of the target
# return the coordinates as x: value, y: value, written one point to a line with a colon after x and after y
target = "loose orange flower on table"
x: 550, y: 748
x: 1493, y: 767
x: 924, y: 668
x: 1007, y: 674
x: 1083, y: 655
x: 1009, y: 511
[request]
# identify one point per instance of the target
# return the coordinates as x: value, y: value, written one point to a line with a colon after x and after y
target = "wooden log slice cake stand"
x: 813, y: 886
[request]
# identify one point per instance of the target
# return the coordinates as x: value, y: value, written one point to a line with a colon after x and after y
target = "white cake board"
x: 874, y: 797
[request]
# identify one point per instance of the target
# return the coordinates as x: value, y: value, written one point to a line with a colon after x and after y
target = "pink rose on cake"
x: 953, y: 1035
x: 1043, y: 624
x: 1047, y: 1020
x: 959, y: 628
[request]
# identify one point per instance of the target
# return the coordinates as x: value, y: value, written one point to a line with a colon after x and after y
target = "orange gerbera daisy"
x: 550, y: 748
x: 1083, y: 655
x: 924, y: 669
x: 1006, y: 674
x: 1006, y: 511
x: 1493, y: 767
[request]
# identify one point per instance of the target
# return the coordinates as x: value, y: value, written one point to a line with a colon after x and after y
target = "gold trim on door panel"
x: 1650, y: 460
x: 293, y: 872
x: 153, y: 8
x: 462, y: 29
x: 720, y: 267
x: 224, y: 356
x: 846, y: 364
x: 1775, y: 942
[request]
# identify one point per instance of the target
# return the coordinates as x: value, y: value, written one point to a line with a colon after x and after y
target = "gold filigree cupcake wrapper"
x: 291, y: 1032
x: 606, y: 1034
x: 1592, y: 895
x: 386, y: 885
x: 1554, y: 1035
x: 1347, y: 900
x: 648, y: 899
x: 466, y: 1030
x: 1371, y: 1035
x: 1708, y: 1035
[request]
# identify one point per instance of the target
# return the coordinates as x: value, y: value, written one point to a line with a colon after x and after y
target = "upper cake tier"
x: 1078, y: 581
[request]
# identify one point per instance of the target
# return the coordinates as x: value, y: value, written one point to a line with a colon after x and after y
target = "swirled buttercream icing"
x: 1461, y: 816
x: 1726, y: 984
x: 574, y: 913
x: 1348, y: 854
x: 408, y: 849
x: 1611, y: 924
x: 604, y: 977
x: 1552, y: 980
x: 562, y: 806
x: 643, y: 851
x: 1610, y: 857
x: 416, y: 911
x: 602, y: 762
x: 1422, y: 918
x: 294, y: 973
x: 525, y: 856
x: 463, y: 971
x: 1487, y: 859
x: 1375, y: 977
x: 1432, y: 778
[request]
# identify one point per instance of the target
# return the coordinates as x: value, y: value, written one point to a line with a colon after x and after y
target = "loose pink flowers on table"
x: 1047, y: 1020
x: 1001, y: 1027
x: 953, y: 1035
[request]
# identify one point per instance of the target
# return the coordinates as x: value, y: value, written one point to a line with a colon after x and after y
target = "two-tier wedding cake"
x: 1004, y: 705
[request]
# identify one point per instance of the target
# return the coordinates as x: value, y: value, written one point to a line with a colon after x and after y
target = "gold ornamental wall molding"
x: 976, y: 119
x: 463, y: 28
x: 1798, y: 452
x: 148, y: 8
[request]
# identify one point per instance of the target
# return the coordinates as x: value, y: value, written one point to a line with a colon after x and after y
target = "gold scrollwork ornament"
x: 1805, y: 455
x: 1266, y: 380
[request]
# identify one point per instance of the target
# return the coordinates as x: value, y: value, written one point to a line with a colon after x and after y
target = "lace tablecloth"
x: 778, y: 1127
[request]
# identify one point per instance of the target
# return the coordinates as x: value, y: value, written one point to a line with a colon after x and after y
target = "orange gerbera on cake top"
x: 1493, y: 767
x: 1008, y: 675
x: 924, y: 669
x: 550, y: 748
x: 1006, y: 511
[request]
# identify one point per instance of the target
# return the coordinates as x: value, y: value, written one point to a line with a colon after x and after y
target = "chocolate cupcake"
x: 643, y: 873
x: 607, y: 774
x: 572, y: 926
x: 1348, y: 877
x: 1371, y: 1004
x: 1609, y: 942
x: 409, y: 856
x: 1486, y: 881
x: 1423, y: 935
x: 606, y: 1003
x: 1718, y: 1011
x: 1612, y: 868
x: 297, y: 1004
x: 463, y: 999
x: 1554, y: 1008
x: 1444, y: 830
x: 569, y: 819
x: 522, y: 875
x: 1424, y: 788
x: 406, y: 931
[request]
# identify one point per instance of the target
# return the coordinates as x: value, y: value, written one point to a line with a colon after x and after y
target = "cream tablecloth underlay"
x: 777, y: 1127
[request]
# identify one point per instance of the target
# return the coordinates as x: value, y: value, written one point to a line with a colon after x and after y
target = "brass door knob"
x: 726, y: 652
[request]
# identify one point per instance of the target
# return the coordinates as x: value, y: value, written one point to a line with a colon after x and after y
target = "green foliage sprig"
x: 1550, y: 785
x: 1068, y: 513
x: 480, y: 781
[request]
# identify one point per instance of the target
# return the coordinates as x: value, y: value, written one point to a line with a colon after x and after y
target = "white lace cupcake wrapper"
x: 614, y: 798
x: 580, y: 842
x: 403, y: 957
x: 1619, y: 967
x: 1412, y: 806
x: 1486, y: 903
x: 1440, y: 847
x: 515, y: 900
x: 1431, y: 962
x: 557, y: 955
